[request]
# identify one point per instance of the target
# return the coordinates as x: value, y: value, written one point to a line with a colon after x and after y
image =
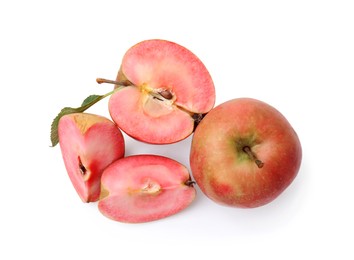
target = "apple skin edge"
x: 225, y: 172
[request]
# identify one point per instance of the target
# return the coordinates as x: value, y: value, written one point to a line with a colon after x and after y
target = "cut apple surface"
x: 144, y: 188
x: 89, y: 143
x: 167, y: 85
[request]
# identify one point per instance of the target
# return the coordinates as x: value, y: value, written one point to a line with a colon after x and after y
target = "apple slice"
x: 167, y: 90
x: 89, y: 143
x: 144, y: 188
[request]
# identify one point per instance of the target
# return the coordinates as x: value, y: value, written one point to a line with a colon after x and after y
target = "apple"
x: 89, y: 143
x: 244, y: 153
x: 142, y: 188
x: 167, y: 90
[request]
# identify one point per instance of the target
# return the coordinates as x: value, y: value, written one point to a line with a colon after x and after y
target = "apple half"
x: 244, y: 153
x: 167, y: 90
x: 142, y: 188
x: 89, y: 143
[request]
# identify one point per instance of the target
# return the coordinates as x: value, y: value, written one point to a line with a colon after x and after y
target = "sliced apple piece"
x: 168, y: 87
x: 142, y: 188
x: 89, y: 143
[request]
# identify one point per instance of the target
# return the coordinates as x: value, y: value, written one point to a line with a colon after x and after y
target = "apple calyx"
x: 253, y: 156
x: 190, y: 183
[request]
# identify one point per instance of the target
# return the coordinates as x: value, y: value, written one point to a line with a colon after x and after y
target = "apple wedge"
x: 142, y: 188
x: 89, y: 143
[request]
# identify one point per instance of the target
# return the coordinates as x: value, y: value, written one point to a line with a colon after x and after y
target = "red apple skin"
x: 225, y: 172
x: 89, y: 143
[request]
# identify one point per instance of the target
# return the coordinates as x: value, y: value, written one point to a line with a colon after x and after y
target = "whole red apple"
x: 244, y: 153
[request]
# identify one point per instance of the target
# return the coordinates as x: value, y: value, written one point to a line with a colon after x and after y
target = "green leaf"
x: 87, y: 103
x: 90, y: 99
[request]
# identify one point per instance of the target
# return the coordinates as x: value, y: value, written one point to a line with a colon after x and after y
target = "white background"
x: 295, y: 55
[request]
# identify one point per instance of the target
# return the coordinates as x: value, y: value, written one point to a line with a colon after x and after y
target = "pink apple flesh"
x: 89, y: 143
x: 244, y: 153
x: 144, y: 188
x: 168, y: 84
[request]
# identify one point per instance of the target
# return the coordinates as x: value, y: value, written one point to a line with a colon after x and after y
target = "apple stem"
x: 101, y: 80
x: 253, y: 156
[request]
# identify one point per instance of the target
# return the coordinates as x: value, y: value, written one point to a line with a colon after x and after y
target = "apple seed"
x: 166, y: 94
x: 82, y: 168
